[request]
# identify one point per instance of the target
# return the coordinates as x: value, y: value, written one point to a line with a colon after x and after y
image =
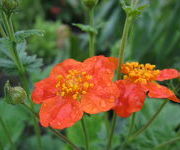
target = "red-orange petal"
x: 60, y: 113
x: 100, y: 99
x: 44, y: 89
x: 159, y: 91
x: 168, y: 74
x: 131, y: 98
x: 64, y: 67
x: 94, y: 64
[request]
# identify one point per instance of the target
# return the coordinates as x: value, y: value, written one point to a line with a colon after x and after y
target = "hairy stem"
x: 22, y: 72
x: 111, y: 131
x: 3, y: 34
x: 85, y: 133
x: 119, y: 75
x: 171, y: 141
x: 130, y: 131
x: 92, y: 36
x: 123, y: 44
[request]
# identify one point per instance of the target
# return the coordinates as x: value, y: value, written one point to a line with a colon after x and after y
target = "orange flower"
x: 139, y: 80
x: 74, y: 88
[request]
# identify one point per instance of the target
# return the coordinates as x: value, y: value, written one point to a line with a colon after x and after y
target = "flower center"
x: 139, y: 73
x: 74, y: 84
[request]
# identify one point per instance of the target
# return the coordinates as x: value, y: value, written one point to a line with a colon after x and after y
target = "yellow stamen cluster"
x: 139, y: 73
x: 75, y: 84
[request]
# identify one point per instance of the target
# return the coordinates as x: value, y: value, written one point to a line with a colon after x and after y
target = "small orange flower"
x: 140, y: 79
x: 74, y: 88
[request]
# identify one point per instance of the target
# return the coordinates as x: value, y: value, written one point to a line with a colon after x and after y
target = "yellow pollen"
x: 139, y: 73
x: 74, y: 84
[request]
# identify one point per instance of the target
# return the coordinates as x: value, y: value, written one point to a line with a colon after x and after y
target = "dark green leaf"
x: 22, y: 35
x: 86, y: 28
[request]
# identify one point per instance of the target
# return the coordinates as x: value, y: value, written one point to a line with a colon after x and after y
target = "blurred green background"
x: 154, y: 38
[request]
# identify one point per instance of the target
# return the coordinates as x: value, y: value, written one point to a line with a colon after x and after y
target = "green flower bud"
x: 9, y: 6
x: 14, y: 95
x: 90, y: 3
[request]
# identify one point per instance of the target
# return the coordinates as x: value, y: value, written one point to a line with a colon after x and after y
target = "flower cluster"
x: 74, y: 88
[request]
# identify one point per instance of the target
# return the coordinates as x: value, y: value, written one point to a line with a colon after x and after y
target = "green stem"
x: 92, y: 36
x: 3, y: 34
x: 130, y: 131
x: 106, y: 119
x: 6, y: 25
x: 36, y: 124
x: 64, y: 138
x: 120, y: 62
x: 111, y: 131
x: 32, y: 111
x: 140, y: 131
x: 132, y: 124
x: 167, y: 143
x: 22, y: 72
x: 7, y: 134
x: 124, y: 39
x: 85, y: 133
x: 38, y: 133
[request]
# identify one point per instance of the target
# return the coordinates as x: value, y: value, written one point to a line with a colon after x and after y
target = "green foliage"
x: 96, y: 130
x: 46, y: 47
x: 7, y: 64
x: 155, y: 39
x: 14, y: 119
x: 21, y: 35
x: 164, y: 128
x: 86, y: 28
x: 48, y: 143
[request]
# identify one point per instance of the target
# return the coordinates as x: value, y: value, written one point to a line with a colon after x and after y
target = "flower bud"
x: 14, y: 95
x: 9, y: 6
x: 90, y: 3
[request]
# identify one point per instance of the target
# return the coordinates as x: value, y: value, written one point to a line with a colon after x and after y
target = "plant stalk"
x: 85, y: 133
x: 92, y: 36
x: 130, y: 131
x: 124, y: 39
x: 111, y: 131
x: 171, y: 141
x: 140, y: 131
x: 3, y: 34
x: 22, y: 72
x: 64, y: 138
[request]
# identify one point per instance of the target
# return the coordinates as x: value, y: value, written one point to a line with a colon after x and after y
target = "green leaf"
x: 48, y: 143
x: 22, y: 35
x: 7, y: 64
x: 13, y: 117
x: 162, y: 129
x: 86, y: 28
x: 96, y: 130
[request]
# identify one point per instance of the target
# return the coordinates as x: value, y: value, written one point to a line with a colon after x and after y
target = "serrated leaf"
x: 86, y: 28
x: 6, y: 60
x: 162, y: 128
x: 22, y: 35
